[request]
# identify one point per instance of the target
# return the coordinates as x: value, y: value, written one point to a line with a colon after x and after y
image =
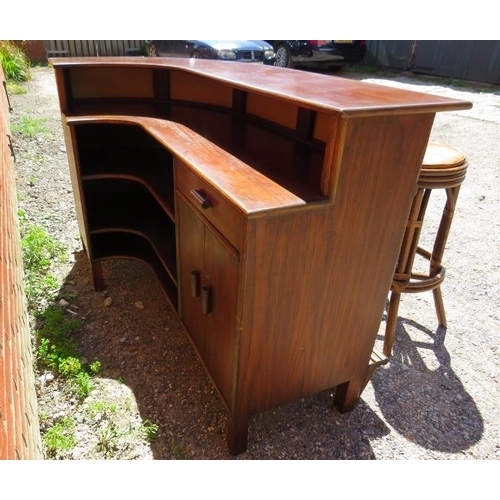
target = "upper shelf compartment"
x: 287, y: 125
x: 119, y: 151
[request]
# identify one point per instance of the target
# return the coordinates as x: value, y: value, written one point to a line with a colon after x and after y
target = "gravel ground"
x: 438, y: 398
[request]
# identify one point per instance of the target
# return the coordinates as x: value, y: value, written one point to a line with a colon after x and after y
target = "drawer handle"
x: 200, y: 199
x: 206, y: 296
x: 195, y: 284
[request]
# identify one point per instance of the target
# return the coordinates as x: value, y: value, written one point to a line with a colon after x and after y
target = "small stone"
x: 46, y: 378
x: 108, y: 301
x: 139, y: 305
x: 63, y: 303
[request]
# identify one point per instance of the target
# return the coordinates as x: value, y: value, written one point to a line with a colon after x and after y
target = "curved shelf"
x: 134, y: 212
x: 125, y: 152
x: 116, y: 245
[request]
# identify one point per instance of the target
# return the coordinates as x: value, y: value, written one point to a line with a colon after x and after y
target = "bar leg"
x: 97, y: 276
x: 347, y: 394
x: 237, y: 434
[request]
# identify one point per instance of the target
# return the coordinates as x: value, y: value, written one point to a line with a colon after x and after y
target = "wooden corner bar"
x: 271, y: 204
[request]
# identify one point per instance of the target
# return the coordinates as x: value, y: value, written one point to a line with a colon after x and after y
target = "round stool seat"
x: 443, y: 166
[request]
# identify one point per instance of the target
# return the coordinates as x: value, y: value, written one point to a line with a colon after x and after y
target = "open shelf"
x: 293, y: 163
x: 126, y: 206
x: 115, y: 151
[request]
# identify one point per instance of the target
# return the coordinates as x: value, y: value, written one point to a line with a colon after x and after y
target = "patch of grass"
x: 30, y: 127
x: 40, y: 252
x: 15, y: 64
x: 15, y: 88
x: 107, y: 438
x: 60, y: 437
x: 57, y: 350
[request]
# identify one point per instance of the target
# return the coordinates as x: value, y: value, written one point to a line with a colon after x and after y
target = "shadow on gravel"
x: 421, y: 397
x: 148, y: 350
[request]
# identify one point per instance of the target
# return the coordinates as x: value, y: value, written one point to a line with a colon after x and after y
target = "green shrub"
x: 15, y: 64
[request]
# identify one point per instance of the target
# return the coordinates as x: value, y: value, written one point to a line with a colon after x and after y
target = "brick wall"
x: 19, y: 426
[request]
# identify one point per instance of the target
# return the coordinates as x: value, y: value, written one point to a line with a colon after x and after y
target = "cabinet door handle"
x: 195, y: 284
x: 200, y: 199
x: 206, y: 295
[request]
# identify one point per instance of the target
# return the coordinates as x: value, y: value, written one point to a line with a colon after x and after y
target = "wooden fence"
x: 85, y: 48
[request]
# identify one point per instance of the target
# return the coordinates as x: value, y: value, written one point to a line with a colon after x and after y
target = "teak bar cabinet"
x: 271, y: 204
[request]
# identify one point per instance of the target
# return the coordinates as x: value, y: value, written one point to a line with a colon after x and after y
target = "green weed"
x: 15, y: 64
x: 56, y: 349
x: 40, y: 252
x: 107, y: 439
x: 60, y: 437
x: 101, y: 407
x: 149, y: 431
x: 83, y: 385
x: 30, y: 127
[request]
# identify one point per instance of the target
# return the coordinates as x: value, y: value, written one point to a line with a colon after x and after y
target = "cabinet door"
x: 209, y: 286
x: 191, y: 257
x: 221, y: 284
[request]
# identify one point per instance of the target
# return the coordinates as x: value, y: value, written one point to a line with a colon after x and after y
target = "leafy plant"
x: 56, y: 349
x: 83, y: 384
x: 60, y: 437
x: 95, y: 367
x: 15, y: 64
x: 149, y: 431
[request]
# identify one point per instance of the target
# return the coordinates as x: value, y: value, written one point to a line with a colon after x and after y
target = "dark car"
x: 256, y: 51
x: 331, y: 53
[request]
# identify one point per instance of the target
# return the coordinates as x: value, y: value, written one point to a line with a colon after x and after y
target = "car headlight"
x: 226, y: 54
x: 269, y: 53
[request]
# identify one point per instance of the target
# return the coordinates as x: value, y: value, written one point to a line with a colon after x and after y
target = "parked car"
x: 256, y: 51
x: 331, y: 53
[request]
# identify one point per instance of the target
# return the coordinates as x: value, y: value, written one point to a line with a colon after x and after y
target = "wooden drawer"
x: 211, y: 204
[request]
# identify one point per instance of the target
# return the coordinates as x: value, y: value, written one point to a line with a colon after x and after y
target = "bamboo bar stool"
x: 443, y: 167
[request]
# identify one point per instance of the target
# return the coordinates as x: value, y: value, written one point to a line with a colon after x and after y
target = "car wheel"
x: 152, y: 51
x: 283, y: 59
x: 195, y: 55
